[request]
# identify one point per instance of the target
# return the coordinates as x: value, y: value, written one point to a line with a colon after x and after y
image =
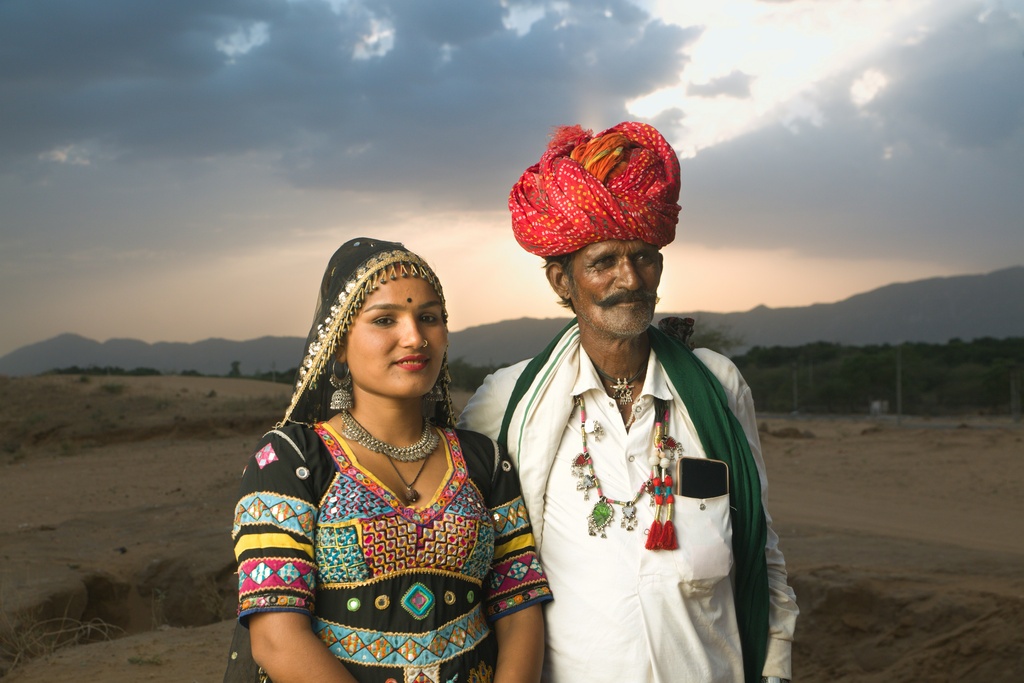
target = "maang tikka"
x: 342, y: 398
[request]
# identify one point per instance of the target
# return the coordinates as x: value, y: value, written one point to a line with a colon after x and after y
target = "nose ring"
x: 425, y: 343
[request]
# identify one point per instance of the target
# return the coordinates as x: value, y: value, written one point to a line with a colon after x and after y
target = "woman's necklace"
x: 413, y: 453
x: 411, y: 494
x: 623, y: 389
x: 662, y: 535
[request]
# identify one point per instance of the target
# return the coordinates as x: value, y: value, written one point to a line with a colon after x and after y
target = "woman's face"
x: 384, y: 347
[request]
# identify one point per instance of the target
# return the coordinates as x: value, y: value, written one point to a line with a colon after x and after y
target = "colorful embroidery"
x: 518, y: 600
x: 389, y: 544
x: 270, y: 602
x: 449, y: 538
x: 418, y: 601
x: 511, y: 574
x: 265, y: 573
x: 510, y: 518
x: 339, y: 555
x: 448, y: 543
x: 481, y: 674
x: 349, y: 500
x: 265, y: 456
x: 354, y: 545
x: 429, y: 674
x: 289, y: 514
x: 402, y: 649
x: 419, y: 516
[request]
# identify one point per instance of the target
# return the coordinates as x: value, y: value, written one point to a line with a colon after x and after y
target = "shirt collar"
x: 654, y: 382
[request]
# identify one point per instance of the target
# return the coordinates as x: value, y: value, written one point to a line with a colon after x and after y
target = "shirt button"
x: 632, y: 458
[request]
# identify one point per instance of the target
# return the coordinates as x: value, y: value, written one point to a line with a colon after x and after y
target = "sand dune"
x: 905, y: 543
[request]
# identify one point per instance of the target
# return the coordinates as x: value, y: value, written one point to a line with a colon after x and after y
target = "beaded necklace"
x: 662, y: 535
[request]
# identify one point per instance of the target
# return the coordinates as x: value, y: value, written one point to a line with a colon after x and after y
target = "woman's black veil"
x: 355, y: 270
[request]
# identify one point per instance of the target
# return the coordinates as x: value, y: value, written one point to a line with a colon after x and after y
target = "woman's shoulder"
x: 297, y: 438
x: 290, y: 459
x: 480, y: 452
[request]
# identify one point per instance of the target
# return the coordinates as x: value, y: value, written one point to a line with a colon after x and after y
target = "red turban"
x: 622, y: 184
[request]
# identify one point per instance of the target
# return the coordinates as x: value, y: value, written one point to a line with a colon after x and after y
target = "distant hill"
x: 933, y: 310
x: 209, y: 357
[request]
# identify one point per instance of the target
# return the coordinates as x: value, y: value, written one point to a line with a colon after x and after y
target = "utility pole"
x: 796, y: 396
x: 899, y: 383
x: 1015, y: 393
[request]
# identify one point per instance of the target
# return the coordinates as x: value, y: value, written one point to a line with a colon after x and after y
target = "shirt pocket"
x: 704, y: 532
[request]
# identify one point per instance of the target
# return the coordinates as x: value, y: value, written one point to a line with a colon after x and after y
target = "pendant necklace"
x: 411, y: 494
x: 658, y: 485
x: 623, y: 389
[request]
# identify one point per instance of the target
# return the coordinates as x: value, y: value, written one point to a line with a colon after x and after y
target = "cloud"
x: 867, y: 87
x: 922, y: 162
x: 964, y: 81
x: 734, y: 84
x: 368, y: 96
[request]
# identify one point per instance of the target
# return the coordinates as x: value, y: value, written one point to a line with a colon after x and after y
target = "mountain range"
x: 932, y: 310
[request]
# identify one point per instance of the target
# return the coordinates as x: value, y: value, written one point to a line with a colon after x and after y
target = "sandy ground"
x: 905, y: 543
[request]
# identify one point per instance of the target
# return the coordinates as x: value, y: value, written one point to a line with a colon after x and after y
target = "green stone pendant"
x: 600, y: 517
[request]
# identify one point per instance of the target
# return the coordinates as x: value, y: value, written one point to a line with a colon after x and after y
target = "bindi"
x: 408, y: 301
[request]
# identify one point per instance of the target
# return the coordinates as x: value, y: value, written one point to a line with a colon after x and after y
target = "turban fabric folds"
x: 621, y: 184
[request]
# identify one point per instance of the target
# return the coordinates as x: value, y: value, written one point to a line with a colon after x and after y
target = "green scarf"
x: 723, y: 438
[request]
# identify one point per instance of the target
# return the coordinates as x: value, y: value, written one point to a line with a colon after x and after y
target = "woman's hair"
x: 355, y: 271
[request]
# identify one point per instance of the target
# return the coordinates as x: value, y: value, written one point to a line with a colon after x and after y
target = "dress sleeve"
x: 516, y: 579
x: 275, y: 521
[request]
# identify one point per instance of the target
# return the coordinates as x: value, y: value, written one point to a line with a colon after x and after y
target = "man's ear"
x: 558, y: 279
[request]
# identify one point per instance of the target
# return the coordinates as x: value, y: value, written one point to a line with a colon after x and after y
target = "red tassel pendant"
x: 654, y: 536
x: 668, y: 538
x: 668, y: 535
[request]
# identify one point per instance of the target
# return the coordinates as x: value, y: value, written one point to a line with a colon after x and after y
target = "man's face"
x: 613, y: 286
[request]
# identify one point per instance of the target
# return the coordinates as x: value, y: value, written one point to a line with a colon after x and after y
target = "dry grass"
x: 28, y: 636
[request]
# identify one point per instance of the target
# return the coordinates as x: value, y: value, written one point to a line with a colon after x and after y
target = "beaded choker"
x: 662, y: 534
x: 412, y: 453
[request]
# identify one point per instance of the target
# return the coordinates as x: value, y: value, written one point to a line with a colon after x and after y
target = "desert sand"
x: 905, y: 542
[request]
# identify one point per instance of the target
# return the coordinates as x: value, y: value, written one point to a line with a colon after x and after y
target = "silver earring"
x: 432, y: 398
x: 342, y: 398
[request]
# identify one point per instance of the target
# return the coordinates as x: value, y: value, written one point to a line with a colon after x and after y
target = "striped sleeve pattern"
x: 273, y: 530
x: 516, y: 579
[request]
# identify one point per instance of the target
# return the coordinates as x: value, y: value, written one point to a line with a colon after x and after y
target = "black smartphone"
x: 701, y: 478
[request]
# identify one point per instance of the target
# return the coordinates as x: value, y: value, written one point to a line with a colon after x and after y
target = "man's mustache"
x: 645, y: 296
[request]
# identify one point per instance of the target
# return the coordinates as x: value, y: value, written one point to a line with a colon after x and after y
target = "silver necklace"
x: 623, y: 389
x: 412, y: 453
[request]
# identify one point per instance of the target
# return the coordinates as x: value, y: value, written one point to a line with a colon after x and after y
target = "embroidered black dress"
x: 396, y: 593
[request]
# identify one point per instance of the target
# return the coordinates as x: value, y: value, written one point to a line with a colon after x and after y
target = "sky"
x: 175, y: 171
